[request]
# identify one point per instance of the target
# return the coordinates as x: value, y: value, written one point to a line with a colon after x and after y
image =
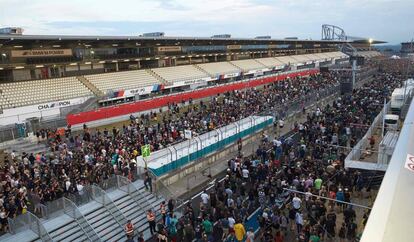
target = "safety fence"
x: 176, y: 156
x: 29, y: 221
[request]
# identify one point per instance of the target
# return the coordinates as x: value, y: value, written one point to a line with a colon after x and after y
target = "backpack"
x: 172, y: 228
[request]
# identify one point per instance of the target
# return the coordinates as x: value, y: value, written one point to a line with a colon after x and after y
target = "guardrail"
x: 29, y: 221
x: 72, y: 210
x: 101, y: 197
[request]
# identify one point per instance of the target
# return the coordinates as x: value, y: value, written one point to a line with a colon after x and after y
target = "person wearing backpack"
x: 172, y: 228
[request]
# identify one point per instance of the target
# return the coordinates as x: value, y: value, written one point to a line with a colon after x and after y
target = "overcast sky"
x: 389, y: 20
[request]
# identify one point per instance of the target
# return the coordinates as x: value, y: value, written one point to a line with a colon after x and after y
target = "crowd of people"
x: 298, y: 184
x: 76, y: 160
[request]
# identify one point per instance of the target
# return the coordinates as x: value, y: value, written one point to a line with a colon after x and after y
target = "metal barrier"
x: 29, y: 221
x: 101, y: 197
x: 72, y: 210
x: 82, y: 197
x: 125, y: 185
x: 109, y: 184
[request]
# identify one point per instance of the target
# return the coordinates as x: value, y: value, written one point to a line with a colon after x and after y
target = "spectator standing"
x: 151, y: 221
x: 129, y: 229
x: 239, y: 231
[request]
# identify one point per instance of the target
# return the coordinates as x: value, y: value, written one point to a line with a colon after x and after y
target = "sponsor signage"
x: 40, y: 53
x: 138, y: 91
x: 230, y: 75
x: 409, y: 163
x: 234, y: 47
x: 169, y: 49
x: 53, y: 105
x: 200, y: 82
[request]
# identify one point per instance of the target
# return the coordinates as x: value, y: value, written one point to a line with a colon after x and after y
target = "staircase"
x: 90, y: 86
x: 26, y: 144
x: 104, y: 217
x: 134, y: 201
x: 89, y: 104
x: 202, y: 70
x: 66, y: 229
x: 101, y: 219
x: 238, y: 67
x: 158, y: 77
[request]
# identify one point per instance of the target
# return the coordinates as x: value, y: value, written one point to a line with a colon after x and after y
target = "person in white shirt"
x: 245, y: 173
x: 205, y: 197
x: 67, y: 184
x: 281, y: 123
x: 231, y: 222
x: 296, y: 202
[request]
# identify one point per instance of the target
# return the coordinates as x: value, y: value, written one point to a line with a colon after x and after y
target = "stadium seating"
x: 248, y: 65
x: 25, y: 93
x: 300, y: 58
x: 320, y: 56
x: 219, y: 68
x: 4, y: 102
x: 270, y: 62
x: 42, y: 91
x: 368, y: 54
x: 122, y: 80
x: 286, y: 60
x: 178, y: 73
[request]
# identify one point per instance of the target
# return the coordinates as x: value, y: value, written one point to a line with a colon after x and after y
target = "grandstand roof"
x: 132, y: 37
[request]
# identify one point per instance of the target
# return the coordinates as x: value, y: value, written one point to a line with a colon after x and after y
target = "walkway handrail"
x: 29, y: 221
x: 124, y: 184
x: 100, y: 196
x: 73, y: 211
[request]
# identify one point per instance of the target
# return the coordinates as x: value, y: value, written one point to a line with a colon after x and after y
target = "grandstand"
x: 248, y: 65
x: 287, y: 60
x: 126, y: 83
x: 301, y: 58
x: 270, y: 62
x: 122, y: 80
x: 369, y: 54
x: 179, y: 73
x: 219, y: 68
x: 17, y: 94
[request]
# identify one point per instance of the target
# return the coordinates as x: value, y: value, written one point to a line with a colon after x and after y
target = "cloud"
x: 384, y: 19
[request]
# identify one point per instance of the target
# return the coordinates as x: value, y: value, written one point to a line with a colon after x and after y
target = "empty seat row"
x: 218, y: 68
x: 42, y: 91
x: 122, y: 80
x: 186, y: 72
x: 247, y: 65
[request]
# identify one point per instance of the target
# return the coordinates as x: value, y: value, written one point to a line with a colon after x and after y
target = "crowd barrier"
x: 176, y: 156
x: 129, y: 108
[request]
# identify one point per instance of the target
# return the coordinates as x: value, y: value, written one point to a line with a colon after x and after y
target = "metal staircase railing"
x: 29, y: 221
x: 72, y: 210
x: 125, y: 185
x: 100, y: 196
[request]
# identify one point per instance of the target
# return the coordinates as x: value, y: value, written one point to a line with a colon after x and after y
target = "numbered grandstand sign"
x: 409, y: 162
